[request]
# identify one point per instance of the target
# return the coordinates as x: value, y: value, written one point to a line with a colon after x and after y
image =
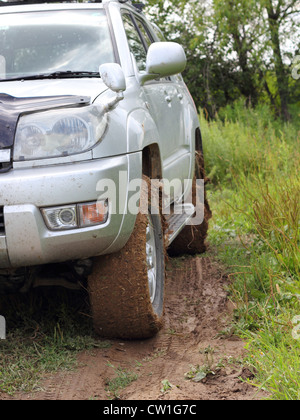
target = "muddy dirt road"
x: 190, y: 343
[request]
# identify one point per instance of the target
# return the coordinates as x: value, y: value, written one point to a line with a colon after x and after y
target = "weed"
x: 198, y: 373
x: 121, y: 380
x: 166, y: 386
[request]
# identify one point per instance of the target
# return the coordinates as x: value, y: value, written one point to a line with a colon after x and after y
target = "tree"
x: 277, y: 13
x: 239, y: 30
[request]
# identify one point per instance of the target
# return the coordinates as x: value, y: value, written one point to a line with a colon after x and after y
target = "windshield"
x: 48, y: 41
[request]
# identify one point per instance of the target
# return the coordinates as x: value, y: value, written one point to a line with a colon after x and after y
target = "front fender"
x: 141, y: 131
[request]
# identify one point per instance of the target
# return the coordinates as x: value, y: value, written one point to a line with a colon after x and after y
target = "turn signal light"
x: 91, y: 214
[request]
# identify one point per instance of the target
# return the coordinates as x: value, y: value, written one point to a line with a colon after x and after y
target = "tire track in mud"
x: 196, y: 310
x: 195, y: 304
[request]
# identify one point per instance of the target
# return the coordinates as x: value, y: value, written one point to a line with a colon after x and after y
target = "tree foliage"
x: 234, y: 48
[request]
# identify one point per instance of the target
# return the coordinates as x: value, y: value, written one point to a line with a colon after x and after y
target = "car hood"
x: 56, y: 87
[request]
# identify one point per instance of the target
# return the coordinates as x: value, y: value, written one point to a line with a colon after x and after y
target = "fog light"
x: 60, y: 218
x: 91, y: 214
x: 67, y: 217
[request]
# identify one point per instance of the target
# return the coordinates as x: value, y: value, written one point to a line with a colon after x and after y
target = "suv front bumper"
x: 26, y: 240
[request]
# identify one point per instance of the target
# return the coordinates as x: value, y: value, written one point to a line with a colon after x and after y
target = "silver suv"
x: 100, y: 146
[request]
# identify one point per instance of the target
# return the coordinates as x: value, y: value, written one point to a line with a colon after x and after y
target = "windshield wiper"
x: 55, y: 75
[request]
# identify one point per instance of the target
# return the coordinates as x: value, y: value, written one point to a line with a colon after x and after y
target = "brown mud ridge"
x: 191, y: 342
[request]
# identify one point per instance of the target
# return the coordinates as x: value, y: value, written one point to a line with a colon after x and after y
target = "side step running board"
x: 182, y: 214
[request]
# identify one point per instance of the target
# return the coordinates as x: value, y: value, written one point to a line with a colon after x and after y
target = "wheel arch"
x: 151, y: 162
x: 198, y: 140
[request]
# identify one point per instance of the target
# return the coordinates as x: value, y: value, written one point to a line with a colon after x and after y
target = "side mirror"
x: 164, y: 59
x: 113, y: 76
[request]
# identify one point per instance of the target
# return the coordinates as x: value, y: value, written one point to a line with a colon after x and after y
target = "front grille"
x: 2, y: 231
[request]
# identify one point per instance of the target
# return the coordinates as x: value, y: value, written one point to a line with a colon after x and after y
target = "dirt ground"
x: 197, y: 310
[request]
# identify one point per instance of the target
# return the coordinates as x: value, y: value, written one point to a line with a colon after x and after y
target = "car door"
x: 165, y: 103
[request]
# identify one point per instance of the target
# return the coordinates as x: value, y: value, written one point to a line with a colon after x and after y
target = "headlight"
x: 59, y: 132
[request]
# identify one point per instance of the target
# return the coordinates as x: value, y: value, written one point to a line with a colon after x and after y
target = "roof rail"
x: 26, y: 2
x: 138, y: 6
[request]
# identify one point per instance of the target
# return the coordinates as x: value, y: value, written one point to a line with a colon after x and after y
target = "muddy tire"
x: 127, y: 288
x: 191, y: 239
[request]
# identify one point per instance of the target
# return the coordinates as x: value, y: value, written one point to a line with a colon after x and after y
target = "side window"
x: 160, y: 36
x: 136, y: 45
x: 139, y: 39
x: 146, y: 37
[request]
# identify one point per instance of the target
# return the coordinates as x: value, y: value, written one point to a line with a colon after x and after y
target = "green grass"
x: 252, y: 161
x: 46, y: 328
x: 122, y: 378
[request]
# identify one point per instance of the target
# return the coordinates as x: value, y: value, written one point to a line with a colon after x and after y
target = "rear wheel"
x: 127, y: 288
x: 191, y: 239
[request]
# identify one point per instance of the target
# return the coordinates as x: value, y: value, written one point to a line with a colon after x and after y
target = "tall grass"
x: 253, y: 163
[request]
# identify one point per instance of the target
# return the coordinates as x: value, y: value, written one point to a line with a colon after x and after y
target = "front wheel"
x: 127, y: 288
